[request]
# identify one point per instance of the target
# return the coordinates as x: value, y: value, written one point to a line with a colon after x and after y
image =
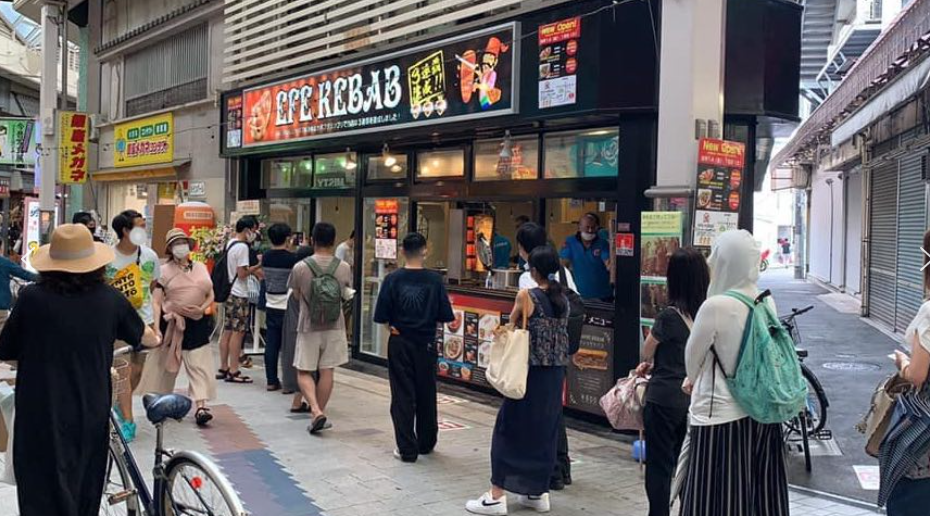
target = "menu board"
x: 719, y: 184
x: 591, y: 373
x: 661, y: 237
x: 386, y: 219
x: 558, y: 62
x: 464, y: 345
x: 234, y: 122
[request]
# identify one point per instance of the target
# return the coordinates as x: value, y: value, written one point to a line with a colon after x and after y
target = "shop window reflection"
x: 336, y: 170
x: 441, y: 163
x: 387, y: 166
x: 507, y: 159
x: 589, y: 153
x: 287, y: 172
x: 373, y: 338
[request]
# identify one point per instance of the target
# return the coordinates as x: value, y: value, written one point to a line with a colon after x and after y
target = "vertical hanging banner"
x: 719, y: 182
x: 73, y: 134
x: 558, y: 62
x: 661, y: 237
x: 386, y: 219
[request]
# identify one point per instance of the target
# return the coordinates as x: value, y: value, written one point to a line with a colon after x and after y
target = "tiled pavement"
x: 349, y: 471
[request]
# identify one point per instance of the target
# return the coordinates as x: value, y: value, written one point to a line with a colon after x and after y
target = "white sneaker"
x: 537, y: 503
x: 488, y: 505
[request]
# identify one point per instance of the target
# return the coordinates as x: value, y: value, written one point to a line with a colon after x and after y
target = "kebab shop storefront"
x: 463, y: 139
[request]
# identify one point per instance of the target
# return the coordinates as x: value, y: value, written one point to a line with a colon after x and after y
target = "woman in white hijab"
x: 737, y: 465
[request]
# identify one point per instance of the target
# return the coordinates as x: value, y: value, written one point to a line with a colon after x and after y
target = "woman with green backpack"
x: 737, y: 464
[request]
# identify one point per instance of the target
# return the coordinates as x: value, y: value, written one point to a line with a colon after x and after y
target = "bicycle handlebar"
x: 122, y: 351
x: 796, y: 311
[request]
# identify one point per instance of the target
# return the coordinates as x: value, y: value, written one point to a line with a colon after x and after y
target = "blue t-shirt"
x: 502, y: 249
x: 589, y: 265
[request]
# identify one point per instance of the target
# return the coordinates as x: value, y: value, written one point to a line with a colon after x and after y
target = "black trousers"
x: 412, y: 371
x: 274, y: 335
x: 563, y: 464
x: 665, y: 429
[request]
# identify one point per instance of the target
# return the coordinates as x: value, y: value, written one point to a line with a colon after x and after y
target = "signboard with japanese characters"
x: 386, y: 227
x: 16, y: 141
x: 558, y: 62
x: 719, y: 187
x: 73, y: 134
x: 468, y: 76
x: 146, y: 141
x: 234, y: 122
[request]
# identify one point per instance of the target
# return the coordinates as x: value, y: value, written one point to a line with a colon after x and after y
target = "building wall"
x: 853, y: 203
x: 826, y: 245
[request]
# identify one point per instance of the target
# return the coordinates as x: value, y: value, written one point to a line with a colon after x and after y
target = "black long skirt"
x: 523, y: 447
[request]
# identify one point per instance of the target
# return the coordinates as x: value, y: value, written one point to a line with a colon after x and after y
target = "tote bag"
x: 624, y: 402
x: 510, y: 360
x: 875, y: 423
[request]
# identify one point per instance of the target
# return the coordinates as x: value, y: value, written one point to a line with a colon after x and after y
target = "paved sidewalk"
x: 349, y: 471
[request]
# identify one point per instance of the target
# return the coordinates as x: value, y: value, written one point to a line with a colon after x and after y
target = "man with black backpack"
x: 320, y: 282
x: 530, y: 236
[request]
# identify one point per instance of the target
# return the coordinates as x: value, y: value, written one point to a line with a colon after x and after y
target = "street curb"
x: 835, y: 498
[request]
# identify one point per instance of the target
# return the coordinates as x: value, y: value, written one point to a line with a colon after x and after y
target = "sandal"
x: 222, y: 374
x: 304, y: 408
x: 245, y: 361
x: 237, y: 378
x: 319, y: 423
x: 203, y: 416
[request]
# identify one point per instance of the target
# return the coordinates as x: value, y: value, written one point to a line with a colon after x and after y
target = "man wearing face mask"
x: 87, y: 219
x: 133, y: 271
x: 237, y: 306
x: 589, y: 257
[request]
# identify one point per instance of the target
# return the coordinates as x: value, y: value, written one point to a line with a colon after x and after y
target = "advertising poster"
x: 472, y: 75
x: 16, y: 141
x: 386, y: 219
x: 463, y: 346
x: 234, y: 122
x: 661, y: 237
x: 719, y: 185
x: 74, y: 129
x: 146, y: 141
x: 590, y: 373
x: 32, y: 226
x: 558, y: 62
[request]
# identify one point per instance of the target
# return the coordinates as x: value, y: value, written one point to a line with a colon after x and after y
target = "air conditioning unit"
x: 800, y: 177
x: 97, y: 120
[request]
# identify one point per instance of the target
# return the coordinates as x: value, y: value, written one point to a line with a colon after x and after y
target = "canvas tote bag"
x: 510, y: 359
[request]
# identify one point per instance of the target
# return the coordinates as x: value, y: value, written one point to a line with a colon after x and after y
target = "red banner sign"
x: 721, y: 153
x: 559, y: 31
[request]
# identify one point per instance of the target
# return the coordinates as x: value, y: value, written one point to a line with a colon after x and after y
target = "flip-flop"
x: 222, y: 374
x: 318, y: 423
x: 237, y: 378
x: 302, y: 409
x: 203, y: 416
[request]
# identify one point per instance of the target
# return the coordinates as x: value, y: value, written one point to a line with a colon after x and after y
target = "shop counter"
x: 463, y: 346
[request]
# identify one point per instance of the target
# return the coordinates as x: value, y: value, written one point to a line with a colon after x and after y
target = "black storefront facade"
x: 461, y: 137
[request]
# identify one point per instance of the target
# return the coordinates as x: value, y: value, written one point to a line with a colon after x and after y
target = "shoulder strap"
x: 333, y: 265
x: 563, y: 279
x: 313, y: 266
x: 687, y: 320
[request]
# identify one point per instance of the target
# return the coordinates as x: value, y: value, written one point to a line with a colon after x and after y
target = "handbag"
x: 874, y: 425
x: 255, y: 290
x: 509, y: 362
x: 624, y: 402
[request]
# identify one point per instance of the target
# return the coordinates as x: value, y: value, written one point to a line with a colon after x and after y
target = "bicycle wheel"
x: 193, y: 488
x: 816, y: 406
x: 119, y: 495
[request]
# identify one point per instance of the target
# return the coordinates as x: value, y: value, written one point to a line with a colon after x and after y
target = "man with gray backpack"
x: 319, y: 282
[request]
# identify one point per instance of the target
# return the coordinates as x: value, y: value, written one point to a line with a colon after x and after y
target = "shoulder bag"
x: 874, y: 424
x: 509, y: 362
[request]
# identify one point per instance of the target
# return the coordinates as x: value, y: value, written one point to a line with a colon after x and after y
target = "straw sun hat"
x: 72, y: 250
x: 174, y: 235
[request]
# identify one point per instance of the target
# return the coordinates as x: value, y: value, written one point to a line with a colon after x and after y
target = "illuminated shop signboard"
x: 451, y: 80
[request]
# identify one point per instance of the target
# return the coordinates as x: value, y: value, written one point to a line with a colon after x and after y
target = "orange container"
x: 193, y: 215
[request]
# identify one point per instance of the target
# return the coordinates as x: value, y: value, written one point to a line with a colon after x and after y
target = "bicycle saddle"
x: 159, y: 408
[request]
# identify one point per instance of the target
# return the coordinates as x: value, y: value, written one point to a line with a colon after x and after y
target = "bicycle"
x: 812, y: 420
x: 186, y: 483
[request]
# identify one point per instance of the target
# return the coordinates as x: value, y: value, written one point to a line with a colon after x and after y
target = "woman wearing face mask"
x: 737, y: 464
x: 589, y: 257
x: 183, y: 306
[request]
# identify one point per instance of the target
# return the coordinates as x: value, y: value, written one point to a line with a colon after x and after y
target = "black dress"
x: 523, y: 445
x: 64, y: 347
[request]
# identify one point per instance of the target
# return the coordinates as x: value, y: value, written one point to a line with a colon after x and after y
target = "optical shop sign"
x: 450, y: 80
x: 719, y: 182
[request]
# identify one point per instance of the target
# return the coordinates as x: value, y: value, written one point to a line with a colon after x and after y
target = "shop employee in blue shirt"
x: 589, y: 256
x: 501, y: 248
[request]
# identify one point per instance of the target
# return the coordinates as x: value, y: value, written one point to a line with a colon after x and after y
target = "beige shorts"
x: 325, y: 349
x: 197, y: 364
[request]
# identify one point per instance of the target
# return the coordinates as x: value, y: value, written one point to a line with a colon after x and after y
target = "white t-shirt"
x: 151, y: 271
x: 237, y: 256
x: 527, y: 281
x: 719, y: 323
x: 920, y: 326
x: 345, y: 253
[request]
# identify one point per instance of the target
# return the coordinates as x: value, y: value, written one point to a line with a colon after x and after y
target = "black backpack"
x: 222, y: 286
x: 575, y: 314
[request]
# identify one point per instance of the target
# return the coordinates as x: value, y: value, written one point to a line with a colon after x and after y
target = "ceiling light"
x: 350, y: 160
x: 599, y: 132
x: 389, y: 160
x: 396, y: 169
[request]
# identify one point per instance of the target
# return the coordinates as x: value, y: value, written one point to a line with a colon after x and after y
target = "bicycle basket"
x: 120, y: 374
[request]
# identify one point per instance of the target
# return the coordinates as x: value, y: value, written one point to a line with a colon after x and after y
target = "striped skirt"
x: 736, y: 469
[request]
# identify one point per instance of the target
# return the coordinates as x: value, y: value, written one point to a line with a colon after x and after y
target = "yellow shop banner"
x: 146, y: 141
x: 74, y: 129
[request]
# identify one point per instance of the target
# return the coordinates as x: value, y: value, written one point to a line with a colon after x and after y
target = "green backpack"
x: 325, y: 293
x: 767, y: 384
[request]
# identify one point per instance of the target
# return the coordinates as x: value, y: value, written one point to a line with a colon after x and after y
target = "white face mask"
x: 181, y: 251
x: 138, y: 236
x: 587, y: 237
x: 251, y: 236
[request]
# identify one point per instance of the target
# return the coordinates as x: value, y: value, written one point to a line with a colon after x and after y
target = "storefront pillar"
x: 691, y: 84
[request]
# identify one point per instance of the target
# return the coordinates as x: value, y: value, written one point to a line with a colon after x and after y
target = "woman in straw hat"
x: 61, y: 334
x: 183, y: 306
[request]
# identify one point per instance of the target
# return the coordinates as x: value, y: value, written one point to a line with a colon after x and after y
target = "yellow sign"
x: 73, y: 131
x: 145, y: 141
x: 661, y: 223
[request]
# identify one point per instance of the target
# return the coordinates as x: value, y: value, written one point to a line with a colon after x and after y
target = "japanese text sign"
x: 16, y: 141
x: 146, y: 141
x: 73, y: 133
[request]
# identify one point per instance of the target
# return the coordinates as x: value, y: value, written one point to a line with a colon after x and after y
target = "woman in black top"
x: 665, y: 416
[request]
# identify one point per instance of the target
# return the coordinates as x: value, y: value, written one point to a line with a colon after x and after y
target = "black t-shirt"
x: 413, y: 301
x: 668, y: 371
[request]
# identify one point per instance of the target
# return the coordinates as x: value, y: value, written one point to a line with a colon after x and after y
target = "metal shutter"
x: 912, y: 222
x: 883, y: 235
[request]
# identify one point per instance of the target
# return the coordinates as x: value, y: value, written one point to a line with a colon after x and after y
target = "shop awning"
x: 141, y: 172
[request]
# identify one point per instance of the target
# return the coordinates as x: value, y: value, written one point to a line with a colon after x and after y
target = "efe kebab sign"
x: 450, y: 80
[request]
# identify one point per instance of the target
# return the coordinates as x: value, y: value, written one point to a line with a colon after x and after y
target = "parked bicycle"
x: 813, y: 419
x: 186, y: 483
